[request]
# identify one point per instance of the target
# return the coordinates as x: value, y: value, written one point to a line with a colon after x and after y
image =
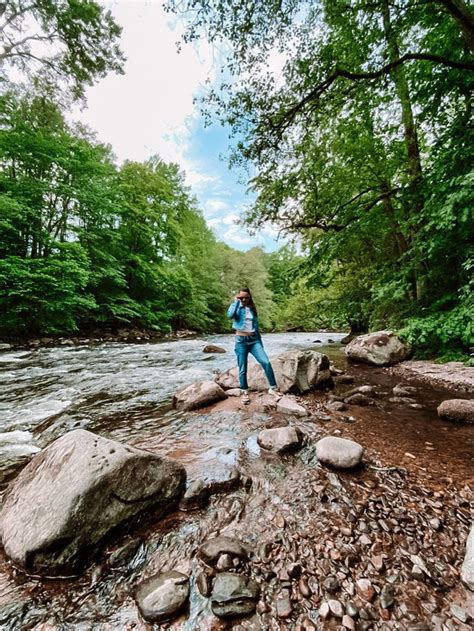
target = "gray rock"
x: 212, y: 348
x: 295, y: 371
x: 71, y: 494
x: 467, y: 569
x: 162, y: 596
x: 198, y: 395
x: 359, y: 399
x: 381, y: 348
x: 279, y: 439
x: 339, y: 452
x: 122, y: 555
x: 195, y: 497
x: 287, y: 405
x: 234, y: 595
x: 460, y: 613
x: 336, y: 406
x: 212, y: 549
x: 404, y: 391
x: 461, y: 410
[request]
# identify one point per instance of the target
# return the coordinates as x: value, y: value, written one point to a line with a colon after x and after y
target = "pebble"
x: 283, y: 605
x: 324, y: 611
x: 460, y: 613
x: 348, y: 622
x: 336, y: 608
x: 387, y: 596
x: 224, y: 563
x: 365, y: 589
x: 304, y: 588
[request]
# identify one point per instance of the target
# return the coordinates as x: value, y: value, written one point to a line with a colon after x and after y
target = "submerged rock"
x: 295, y: 371
x: 74, y: 492
x: 198, y: 395
x: 211, y: 348
x: 162, y: 596
x: 461, y: 410
x: 234, y: 595
x: 279, y: 439
x: 339, y: 452
x: 382, y: 348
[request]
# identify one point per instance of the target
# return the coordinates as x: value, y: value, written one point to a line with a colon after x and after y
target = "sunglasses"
x: 243, y: 297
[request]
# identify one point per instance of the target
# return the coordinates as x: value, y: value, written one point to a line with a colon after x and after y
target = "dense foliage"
x: 356, y: 117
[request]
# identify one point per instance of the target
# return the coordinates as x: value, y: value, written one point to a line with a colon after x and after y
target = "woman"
x: 248, y: 340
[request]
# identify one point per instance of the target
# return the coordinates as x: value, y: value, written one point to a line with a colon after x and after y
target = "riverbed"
x: 418, y: 470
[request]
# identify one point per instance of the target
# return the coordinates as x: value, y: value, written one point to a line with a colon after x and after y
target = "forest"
x: 354, y: 122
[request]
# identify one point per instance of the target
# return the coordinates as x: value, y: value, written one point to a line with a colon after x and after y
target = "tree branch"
x: 322, y: 87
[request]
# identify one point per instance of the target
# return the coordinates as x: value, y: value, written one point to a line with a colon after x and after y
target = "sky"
x: 151, y: 110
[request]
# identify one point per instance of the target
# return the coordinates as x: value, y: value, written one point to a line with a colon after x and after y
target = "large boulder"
x: 461, y: 410
x: 198, y: 395
x: 74, y: 492
x: 295, y: 371
x: 382, y: 348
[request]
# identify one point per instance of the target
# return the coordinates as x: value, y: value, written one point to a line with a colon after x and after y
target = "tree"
x: 346, y: 139
x: 71, y: 41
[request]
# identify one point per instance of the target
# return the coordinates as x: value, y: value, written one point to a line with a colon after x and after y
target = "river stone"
x: 279, y: 439
x: 162, y: 596
x: 211, y: 348
x: 339, y: 452
x: 212, y: 549
x: 195, y: 497
x: 71, y: 494
x: 287, y: 405
x: 382, y: 348
x: 467, y: 570
x: 295, y: 371
x: 198, y: 395
x: 461, y: 410
x: 234, y: 595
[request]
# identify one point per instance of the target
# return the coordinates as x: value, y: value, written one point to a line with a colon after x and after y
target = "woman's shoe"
x: 245, y: 398
x: 274, y: 392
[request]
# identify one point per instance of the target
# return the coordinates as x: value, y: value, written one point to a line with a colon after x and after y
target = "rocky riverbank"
x: 314, y: 546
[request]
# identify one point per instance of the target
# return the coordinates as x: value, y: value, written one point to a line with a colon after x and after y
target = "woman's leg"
x: 242, y: 353
x: 260, y: 355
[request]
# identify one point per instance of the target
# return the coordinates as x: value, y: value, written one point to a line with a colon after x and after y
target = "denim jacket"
x: 236, y: 311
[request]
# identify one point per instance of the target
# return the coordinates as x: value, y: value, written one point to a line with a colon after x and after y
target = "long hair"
x: 251, y: 302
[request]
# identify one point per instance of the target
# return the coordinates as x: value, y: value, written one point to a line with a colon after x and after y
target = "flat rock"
x: 279, y: 439
x: 381, y: 348
x: 198, y: 395
x: 162, y: 596
x: 234, y: 595
x: 461, y: 410
x: 467, y: 570
x: 71, y: 494
x: 287, y: 405
x: 212, y: 549
x: 339, y: 452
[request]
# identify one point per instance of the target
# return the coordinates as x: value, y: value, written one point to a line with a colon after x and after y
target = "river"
x: 124, y: 392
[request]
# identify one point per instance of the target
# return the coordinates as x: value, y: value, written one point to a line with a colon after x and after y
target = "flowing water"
x: 124, y: 392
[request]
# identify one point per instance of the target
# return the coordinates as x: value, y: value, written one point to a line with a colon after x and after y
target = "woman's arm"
x: 232, y: 310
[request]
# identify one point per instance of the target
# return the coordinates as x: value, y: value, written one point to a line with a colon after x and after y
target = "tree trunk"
x: 464, y: 17
x: 415, y: 173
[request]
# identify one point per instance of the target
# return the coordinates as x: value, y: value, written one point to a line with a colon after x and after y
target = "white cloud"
x: 148, y: 109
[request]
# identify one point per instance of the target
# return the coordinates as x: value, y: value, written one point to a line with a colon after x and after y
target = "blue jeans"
x: 245, y: 344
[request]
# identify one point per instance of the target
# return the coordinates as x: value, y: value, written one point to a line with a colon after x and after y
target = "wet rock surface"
x: 234, y: 595
x: 162, y: 596
x: 198, y: 395
x: 74, y: 492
